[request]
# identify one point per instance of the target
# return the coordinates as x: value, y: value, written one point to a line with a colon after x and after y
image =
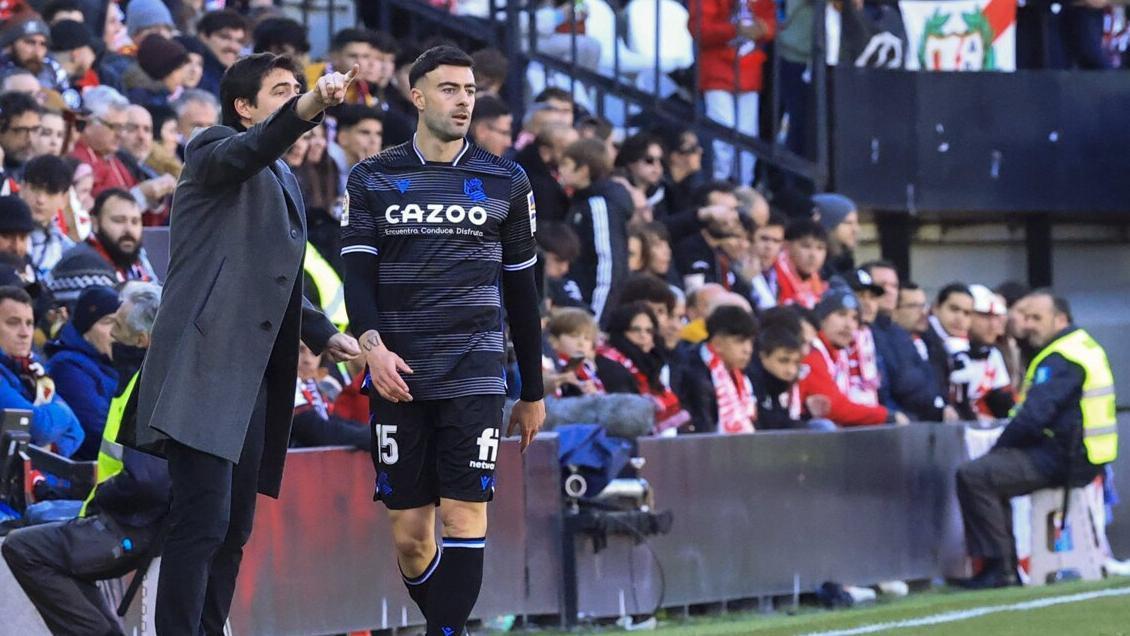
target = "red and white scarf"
x: 737, y: 408
x: 792, y: 289
x: 668, y: 412
x: 585, y: 372
x: 839, y: 366
x: 863, y: 364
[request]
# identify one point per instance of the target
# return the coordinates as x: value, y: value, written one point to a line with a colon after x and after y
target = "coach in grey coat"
x: 217, y: 387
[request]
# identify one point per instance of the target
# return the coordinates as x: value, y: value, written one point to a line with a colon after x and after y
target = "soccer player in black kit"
x: 438, y: 236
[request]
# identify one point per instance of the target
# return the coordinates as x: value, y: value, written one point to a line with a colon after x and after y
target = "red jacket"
x: 711, y: 24
x: 817, y: 377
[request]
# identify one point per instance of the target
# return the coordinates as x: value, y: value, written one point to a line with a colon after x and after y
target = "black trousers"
x: 984, y: 487
x: 57, y: 565
x: 213, y: 507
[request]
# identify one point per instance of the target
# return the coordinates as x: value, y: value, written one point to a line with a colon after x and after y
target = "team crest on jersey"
x: 403, y: 185
x: 533, y: 212
x: 473, y: 188
x: 345, y: 211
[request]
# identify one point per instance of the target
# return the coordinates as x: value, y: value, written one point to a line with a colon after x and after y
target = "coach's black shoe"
x: 990, y: 578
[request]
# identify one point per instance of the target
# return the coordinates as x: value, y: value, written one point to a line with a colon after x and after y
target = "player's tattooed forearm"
x: 371, y: 341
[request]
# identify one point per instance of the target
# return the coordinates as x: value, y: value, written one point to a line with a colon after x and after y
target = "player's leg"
x: 467, y: 437
x: 414, y: 534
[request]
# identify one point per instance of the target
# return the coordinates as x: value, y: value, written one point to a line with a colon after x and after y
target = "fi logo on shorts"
x: 488, y: 450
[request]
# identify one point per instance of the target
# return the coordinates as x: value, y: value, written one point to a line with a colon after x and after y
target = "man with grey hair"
x: 58, y: 564
x: 196, y: 109
x: 102, y: 139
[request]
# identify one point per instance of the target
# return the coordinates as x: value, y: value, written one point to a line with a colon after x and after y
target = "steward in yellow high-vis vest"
x: 1062, y: 433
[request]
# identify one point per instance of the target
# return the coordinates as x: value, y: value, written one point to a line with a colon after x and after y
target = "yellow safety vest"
x: 1100, y: 424
x: 330, y: 290
x: 110, y: 452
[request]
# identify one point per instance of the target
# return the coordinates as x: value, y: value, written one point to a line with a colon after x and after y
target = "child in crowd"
x: 572, y: 371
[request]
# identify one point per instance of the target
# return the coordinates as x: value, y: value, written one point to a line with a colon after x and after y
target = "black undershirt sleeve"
x: 520, y: 295
x: 361, y: 275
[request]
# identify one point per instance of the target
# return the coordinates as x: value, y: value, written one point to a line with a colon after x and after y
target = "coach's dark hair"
x: 106, y: 195
x: 11, y: 292
x: 243, y: 80
x: 436, y: 57
x: 950, y: 290
x: 48, y: 173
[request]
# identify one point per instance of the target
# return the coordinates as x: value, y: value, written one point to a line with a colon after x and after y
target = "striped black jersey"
x: 442, y: 234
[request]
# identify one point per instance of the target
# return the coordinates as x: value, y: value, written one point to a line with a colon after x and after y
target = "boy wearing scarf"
x: 716, y: 391
x: 798, y: 266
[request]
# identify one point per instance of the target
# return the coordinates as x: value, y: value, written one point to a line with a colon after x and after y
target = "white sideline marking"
x: 949, y: 617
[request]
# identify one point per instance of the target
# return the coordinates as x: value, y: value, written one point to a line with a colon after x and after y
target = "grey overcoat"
x: 232, y: 309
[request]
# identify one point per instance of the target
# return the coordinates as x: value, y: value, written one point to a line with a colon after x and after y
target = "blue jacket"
x: 909, y: 383
x: 87, y: 380
x: 1049, y: 424
x: 51, y: 423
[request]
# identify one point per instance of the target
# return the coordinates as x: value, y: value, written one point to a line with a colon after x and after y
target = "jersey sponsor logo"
x: 434, y: 213
x: 473, y: 188
x: 488, y: 445
x: 345, y: 211
x: 533, y: 212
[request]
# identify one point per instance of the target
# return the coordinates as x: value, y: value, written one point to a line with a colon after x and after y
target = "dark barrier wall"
x: 1029, y: 141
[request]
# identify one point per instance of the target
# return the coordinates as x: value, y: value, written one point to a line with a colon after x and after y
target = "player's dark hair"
x: 806, y: 228
x: 110, y: 193
x: 273, y: 34
x: 635, y: 148
x: 13, y: 104
x: 345, y: 37
x: 243, y: 80
x: 591, y: 154
x: 776, y: 337
x: 436, y: 57
x: 215, y: 21
x: 647, y: 288
x: 384, y: 42
x: 10, y: 292
x: 559, y: 239
x: 48, y: 173
x: 950, y: 290
x: 702, y: 194
x: 489, y: 108
x: 349, y: 115
x: 491, y: 66
x: 729, y: 320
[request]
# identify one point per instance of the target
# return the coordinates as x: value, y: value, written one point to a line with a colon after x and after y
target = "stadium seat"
x: 1080, y: 548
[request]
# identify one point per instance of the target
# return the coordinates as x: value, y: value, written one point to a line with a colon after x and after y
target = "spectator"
x: 73, y: 47
x: 660, y: 299
x: 714, y: 253
x: 657, y: 247
x: 599, y: 215
x: 194, y: 70
x: 120, y: 520
x: 768, y: 239
x: 148, y: 17
x: 117, y: 237
x: 774, y: 372
x: 826, y: 388
x: 492, y: 124
x: 160, y: 74
x: 1013, y: 345
x: 794, y: 49
x: 947, y: 339
x: 912, y: 313
x: 595, y: 127
x: 145, y: 160
x: 839, y: 218
x: 51, y: 135
x: 574, y: 371
x: 632, y: 361
x: 684, y: 169
x: 552, y: 107
x: 115, y: 51
x: 980, y: 373
x: 314, y: 422
x: 57, y: 11
x: 400, y: 100
x: 19, y: 121
x: 78, y: 270
x: 223, y: 33
x: 491, y: 71
x: 637, y: 250
x: 700, y: 301
x: 21, y: 80
x: 641, y: 161
x: 798, y: 268
x: 195, y: 109
x: 716, y: 391
x: 282, y: 36
x: 732, y: 36
x: 24, y: 384
x: 320, y: 179
x: 560, y: 246
x: 44, y: 188
x: 25, y: 43
x: 864, y: 377
x: 82, y: 183
x: 908, y: 381
x: 348, y: 47
x: 398, y: 128
x: 166, y: 133
x: 540, y: 160
x: 80, y: 364
x: 16, y: 225
x: 359, y: 136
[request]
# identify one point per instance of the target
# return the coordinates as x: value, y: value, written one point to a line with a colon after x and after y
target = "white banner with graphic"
x: 960, y: 35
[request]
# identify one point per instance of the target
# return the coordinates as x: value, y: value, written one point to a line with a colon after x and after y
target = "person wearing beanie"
x: 196, y: 53
x: 163, y: 64
x: 148, y: 17
x: 79, y: 362
x: 72, y: 45
x: 838, y: 216
x: 825, y: 377
x: 25, y: 43
x: 79, y: 269
x: 24, y: 383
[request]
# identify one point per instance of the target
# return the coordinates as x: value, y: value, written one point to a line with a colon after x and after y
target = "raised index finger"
x: 352, y: 74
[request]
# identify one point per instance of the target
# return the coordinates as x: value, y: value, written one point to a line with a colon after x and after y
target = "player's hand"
x: 332, y: 87
x: 526, y: 418
x: 385, y: 368
x: 342, y: 347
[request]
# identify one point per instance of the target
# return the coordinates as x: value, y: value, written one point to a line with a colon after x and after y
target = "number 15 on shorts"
x: 386, y: 444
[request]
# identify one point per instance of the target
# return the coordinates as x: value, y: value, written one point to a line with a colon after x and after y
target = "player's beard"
x: 443, y: 128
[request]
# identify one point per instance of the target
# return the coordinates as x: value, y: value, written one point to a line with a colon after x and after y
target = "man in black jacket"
x: 1063, y: 434
x: 57, y: 564
x: 599, y: 215
x: 541, y: 160
x: 774, y: 372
